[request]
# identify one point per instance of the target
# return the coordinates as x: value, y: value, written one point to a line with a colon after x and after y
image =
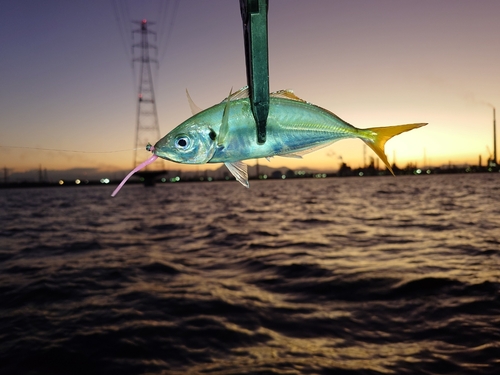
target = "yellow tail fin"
x: 381, y: 135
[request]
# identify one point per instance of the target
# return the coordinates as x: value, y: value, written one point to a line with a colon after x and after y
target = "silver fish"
x: 226, y: 133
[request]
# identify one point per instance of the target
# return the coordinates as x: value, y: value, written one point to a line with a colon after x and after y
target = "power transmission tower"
x: 147, y: 128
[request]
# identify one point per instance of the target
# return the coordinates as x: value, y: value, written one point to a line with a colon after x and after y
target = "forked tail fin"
x: 381, y: 135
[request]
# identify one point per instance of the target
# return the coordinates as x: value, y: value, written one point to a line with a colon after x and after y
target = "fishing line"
x: 75, y: 151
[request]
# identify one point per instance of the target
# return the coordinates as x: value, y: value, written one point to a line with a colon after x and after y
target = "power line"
x: 171, y: 23
x: 122, y: 29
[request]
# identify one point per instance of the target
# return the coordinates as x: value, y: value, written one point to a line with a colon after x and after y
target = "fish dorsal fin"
x: 240, y: 171
x: 286, y: 94
x: 194, y: 108
x: 240, y: 94
x: 224, y: 127
x: 244, y: 93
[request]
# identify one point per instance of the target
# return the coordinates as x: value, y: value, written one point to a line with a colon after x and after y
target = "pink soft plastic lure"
x: 138, y: 168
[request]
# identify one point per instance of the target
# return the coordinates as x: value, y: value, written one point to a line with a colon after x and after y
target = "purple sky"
x: 66, y: 78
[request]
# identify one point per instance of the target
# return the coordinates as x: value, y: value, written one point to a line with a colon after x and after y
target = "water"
x: 374, y: 275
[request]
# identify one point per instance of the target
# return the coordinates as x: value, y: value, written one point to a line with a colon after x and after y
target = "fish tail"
x: 378, y: 137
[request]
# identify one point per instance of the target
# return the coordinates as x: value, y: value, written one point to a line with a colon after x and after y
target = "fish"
x: 226, y: 133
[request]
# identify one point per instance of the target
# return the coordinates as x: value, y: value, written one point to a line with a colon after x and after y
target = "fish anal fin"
x: 381, y: 135
x: 291, y: 155
x: 240, y: 171
x: 299, y: 154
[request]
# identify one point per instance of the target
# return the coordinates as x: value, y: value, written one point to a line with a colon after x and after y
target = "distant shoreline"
x: 343, y: 172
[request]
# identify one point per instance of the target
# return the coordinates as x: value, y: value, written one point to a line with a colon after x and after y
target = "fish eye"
x: 212, y: 135
x: 182, y: 142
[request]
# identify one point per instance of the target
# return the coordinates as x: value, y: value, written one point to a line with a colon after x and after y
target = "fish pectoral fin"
x: 240, y: 171
x: 194, y: 108
x: 224, y: 127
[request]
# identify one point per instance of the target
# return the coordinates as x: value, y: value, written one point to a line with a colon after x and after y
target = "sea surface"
x: 376, y: 275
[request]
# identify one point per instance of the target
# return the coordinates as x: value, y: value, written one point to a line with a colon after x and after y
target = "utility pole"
x: 147, y: 128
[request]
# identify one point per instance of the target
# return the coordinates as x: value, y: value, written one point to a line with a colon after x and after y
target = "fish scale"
x: 292, y: 126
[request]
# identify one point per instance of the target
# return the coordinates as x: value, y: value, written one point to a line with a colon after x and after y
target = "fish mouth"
x: 162, y: 155
x: 165, y: 157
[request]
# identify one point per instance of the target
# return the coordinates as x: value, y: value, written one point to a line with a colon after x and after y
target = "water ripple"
x: 344, y: 276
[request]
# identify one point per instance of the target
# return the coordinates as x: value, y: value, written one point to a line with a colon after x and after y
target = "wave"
x: 343, y: 276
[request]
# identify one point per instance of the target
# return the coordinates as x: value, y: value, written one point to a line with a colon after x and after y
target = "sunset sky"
x: 66, y: 80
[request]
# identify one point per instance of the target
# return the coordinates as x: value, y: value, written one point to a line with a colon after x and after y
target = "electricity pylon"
x: 148, y: 129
